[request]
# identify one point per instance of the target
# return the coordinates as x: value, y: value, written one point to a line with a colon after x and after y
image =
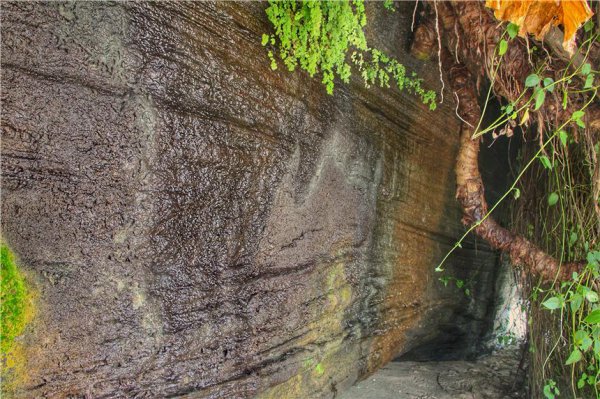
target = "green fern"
x: 327, y: 38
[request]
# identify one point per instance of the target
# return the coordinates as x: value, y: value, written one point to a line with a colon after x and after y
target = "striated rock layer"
x: 198, y: 225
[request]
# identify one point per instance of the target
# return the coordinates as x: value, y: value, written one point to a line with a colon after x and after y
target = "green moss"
x: 319, y: 370
x: 14, y: 301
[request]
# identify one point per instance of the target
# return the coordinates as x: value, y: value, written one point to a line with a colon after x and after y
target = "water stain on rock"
x: 204, y: 226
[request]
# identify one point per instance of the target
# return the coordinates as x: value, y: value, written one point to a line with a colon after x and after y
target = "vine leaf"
x: 552, y: 199
x: 540, y: 97
x: 532, y: 80
x: 502, y: 47
x: 574, y: 357
x: 546, y: 162
x: 564, y: 140
x: 553, y: 303
x: 513, y: 30
x: 593, y: 317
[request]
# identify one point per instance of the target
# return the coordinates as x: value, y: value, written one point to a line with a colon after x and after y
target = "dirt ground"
x: 492, y: 377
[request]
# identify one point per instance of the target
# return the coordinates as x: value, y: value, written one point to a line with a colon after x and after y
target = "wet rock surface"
x: 495, y: 376
x: 199, y: 225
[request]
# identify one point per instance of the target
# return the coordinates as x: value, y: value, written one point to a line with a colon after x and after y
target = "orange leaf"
x: 538, y: 16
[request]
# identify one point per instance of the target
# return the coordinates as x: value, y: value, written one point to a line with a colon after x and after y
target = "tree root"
x: 470, y: 188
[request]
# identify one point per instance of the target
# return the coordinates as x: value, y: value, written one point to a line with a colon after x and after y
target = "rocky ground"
x: 492, y: 377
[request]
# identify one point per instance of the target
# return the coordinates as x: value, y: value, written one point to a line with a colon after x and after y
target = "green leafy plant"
x: 577, y: 302
x: 327, y: 38
x: 463, y: 285
x: 565, y: 317
x: 551, y: 391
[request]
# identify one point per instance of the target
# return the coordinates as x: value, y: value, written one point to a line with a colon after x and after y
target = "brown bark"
x: 470, y: 189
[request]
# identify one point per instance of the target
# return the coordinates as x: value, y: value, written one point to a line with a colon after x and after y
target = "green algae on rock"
x: 15, y: 305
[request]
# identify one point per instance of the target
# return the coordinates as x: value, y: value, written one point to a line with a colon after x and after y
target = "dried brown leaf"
x: 536, y: 17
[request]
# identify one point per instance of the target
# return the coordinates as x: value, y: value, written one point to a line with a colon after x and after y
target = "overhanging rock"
x: 196, y: 223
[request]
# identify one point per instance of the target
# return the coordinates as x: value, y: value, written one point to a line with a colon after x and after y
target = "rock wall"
x: 198, y: 225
